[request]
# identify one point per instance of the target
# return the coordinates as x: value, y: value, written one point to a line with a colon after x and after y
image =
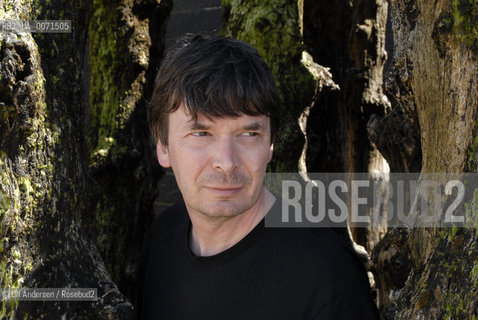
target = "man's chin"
x: 222, y: 209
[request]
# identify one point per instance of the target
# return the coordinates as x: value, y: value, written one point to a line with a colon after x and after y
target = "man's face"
x: 219, y: 163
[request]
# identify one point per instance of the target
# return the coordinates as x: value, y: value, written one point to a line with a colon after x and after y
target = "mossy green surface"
x: 107, y: 44
x: 48, y: 195
x: 6, y: 280
x: 472, y: 152
x: 119, y: 44
x: 109, y: 82
x: 471, y: 211
x: 18, y: 200
x: 114, y: 85
x: 465, y: 21
x: 448, y: 285
x: 23, y: 190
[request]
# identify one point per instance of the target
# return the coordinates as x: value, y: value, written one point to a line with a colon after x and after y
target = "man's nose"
x: 225, y: 156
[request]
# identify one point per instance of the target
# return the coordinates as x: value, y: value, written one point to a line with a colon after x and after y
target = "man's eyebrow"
x: 194, y: 125
x: 254, y: 126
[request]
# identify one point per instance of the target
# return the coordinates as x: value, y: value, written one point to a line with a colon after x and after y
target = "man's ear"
x: 163, y: 155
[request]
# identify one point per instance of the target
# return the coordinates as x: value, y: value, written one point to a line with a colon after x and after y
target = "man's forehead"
x: 201, y: 118
x: 189, y: 118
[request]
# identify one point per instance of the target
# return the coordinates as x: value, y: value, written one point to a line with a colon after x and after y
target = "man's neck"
x: 210, y: 237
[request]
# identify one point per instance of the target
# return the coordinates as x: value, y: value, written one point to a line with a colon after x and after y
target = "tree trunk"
x: 77, y: 170
x: 126, y: 42
x: 349, y: 38
x: 430, y: 273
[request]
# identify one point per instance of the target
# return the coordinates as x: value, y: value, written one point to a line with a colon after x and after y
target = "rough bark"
x: 432, y: 83
x: 77, y: 171
x: 126, y: 42
x: 349, y: 38
x: 45, y: 201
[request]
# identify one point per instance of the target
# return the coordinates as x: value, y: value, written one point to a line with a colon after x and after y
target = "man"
x: 213, y: 115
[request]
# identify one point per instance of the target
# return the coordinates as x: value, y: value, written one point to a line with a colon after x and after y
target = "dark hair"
x: 214, y: 76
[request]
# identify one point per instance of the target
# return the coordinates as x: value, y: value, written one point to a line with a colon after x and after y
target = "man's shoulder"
x: 315, y: 261
x: 320, y: 246
x: 318, y: 241
x: 320, y: 250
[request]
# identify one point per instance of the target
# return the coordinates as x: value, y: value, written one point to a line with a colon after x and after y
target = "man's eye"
x: 250, y: 134
x: 199, y: 134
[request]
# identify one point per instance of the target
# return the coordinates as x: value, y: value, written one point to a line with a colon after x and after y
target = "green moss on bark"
x: 119, y: 48
x: 472, y: 152
x: 14, y: 227
x: 465, y: 22
x: 108, y: 40
x: 26, y: 171
x: 118, y: 53
x: 471, y: 211
x: 448, y: 285
x: 110, y: 82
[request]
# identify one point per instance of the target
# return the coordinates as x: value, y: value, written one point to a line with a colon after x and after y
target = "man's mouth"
x: 224, y: 190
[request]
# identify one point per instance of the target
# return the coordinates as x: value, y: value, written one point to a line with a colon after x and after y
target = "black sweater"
x: 272, y: 273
